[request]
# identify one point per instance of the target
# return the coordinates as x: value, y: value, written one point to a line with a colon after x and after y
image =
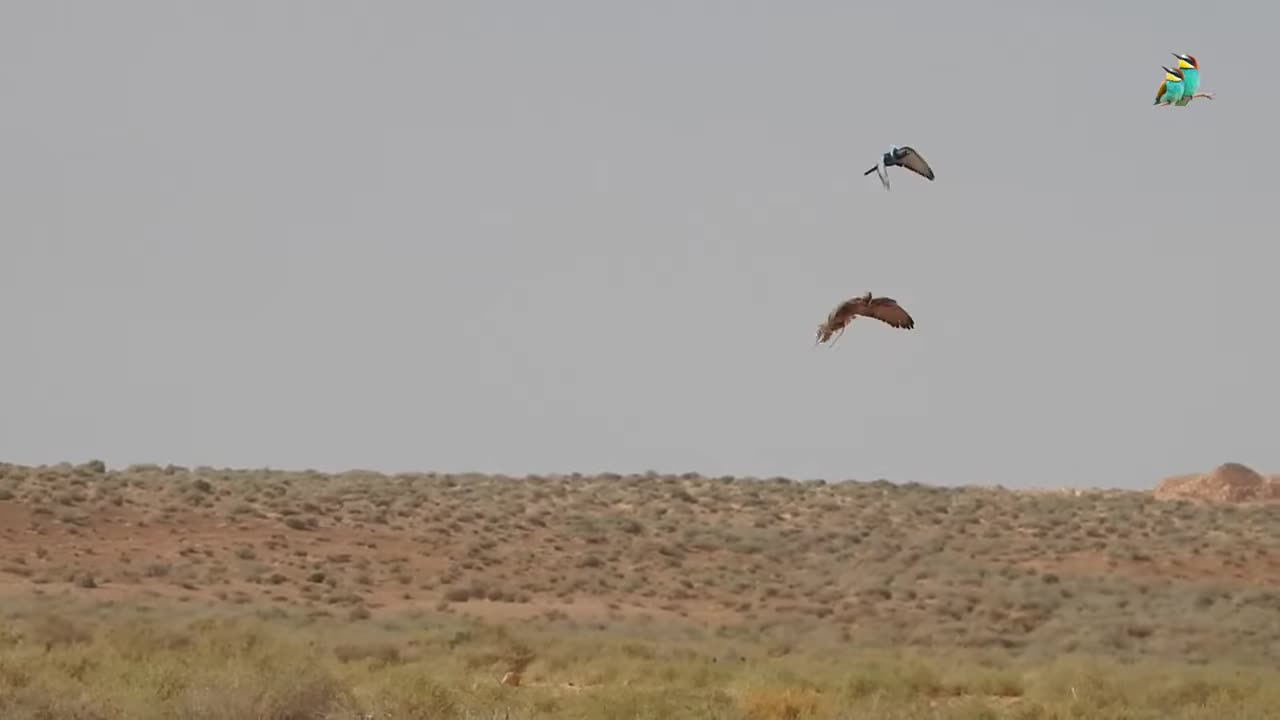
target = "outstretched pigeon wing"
x: 911, y: 160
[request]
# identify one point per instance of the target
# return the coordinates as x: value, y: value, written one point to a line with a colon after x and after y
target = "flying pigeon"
x: 904, y: 156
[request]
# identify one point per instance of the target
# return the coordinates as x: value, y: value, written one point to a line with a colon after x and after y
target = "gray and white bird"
x: 904, y: 156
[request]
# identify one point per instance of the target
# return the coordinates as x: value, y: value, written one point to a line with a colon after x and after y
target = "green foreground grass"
x: 69, y: 659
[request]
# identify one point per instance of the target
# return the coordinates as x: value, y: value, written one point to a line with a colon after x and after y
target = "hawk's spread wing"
x: 887, y: 310
x: 911, y: 160
x: 845, y: 311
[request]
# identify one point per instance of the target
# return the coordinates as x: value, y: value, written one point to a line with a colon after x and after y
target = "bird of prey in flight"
x: 886, y: 310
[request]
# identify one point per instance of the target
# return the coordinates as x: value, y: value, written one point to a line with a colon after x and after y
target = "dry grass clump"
x: 780, y: 704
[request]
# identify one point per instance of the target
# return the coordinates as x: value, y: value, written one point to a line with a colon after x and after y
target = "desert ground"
x: 209, y: 594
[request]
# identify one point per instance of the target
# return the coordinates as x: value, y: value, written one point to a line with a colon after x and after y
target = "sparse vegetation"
x: 299, y: 594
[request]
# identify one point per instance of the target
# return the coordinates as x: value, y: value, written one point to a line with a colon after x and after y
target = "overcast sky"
x: 598, y: 236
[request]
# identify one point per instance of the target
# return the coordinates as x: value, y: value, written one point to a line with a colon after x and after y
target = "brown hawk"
x: 886, y: 310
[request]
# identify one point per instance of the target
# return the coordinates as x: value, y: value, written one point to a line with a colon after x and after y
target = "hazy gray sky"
x: 586, y: 236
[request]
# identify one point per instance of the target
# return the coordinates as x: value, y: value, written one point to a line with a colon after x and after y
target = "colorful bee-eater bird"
x: 1190, y: 70
x: 1171, y: 90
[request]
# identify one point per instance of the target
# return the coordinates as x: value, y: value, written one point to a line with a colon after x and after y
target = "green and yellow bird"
x: 1171, y: 90
x: 1190, y: 70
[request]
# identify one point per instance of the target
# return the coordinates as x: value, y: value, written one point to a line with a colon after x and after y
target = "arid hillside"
x: 1230, y: 482
x: 872, y: 563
